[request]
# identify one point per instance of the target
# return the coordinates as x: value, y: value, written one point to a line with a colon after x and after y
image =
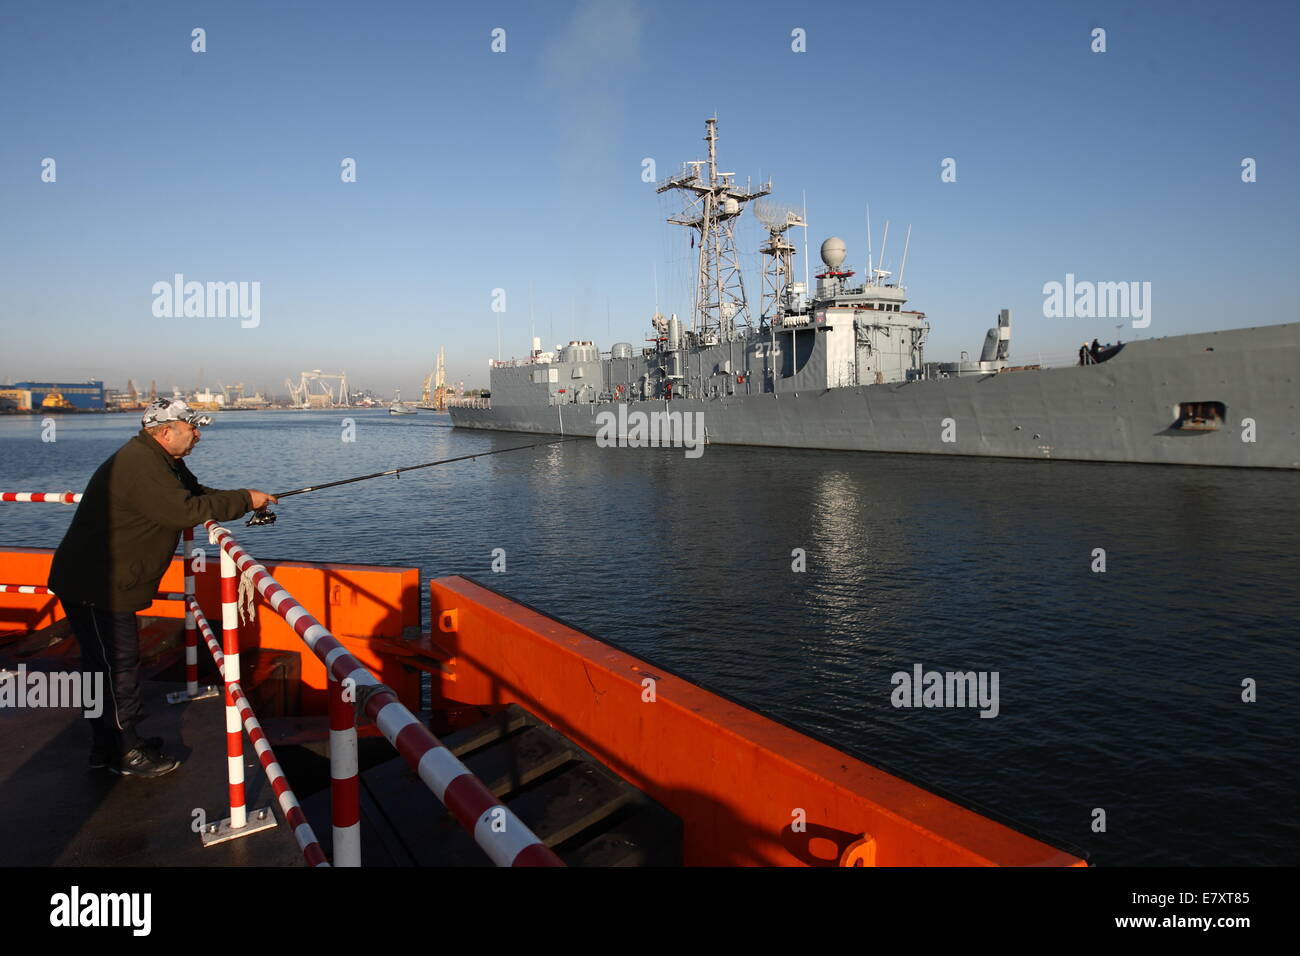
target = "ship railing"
x: 74, y: 497
x: 239, y: 712
x: 49, y: 497
x: 237, y: 702
x: 52, y: 497
x: 354, y: 690
x: 1052, y: 359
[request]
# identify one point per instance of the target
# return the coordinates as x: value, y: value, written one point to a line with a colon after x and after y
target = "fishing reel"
x: 261, y: 516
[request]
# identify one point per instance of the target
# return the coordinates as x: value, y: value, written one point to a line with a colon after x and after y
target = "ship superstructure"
x: 843, y: 366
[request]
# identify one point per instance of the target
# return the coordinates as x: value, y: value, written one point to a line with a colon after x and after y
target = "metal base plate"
x: 258, y: 820
x: 181, y: 696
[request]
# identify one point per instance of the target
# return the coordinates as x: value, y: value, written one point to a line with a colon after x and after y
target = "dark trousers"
x: 110, y: 645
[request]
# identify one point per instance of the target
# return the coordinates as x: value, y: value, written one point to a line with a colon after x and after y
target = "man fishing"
x: 110, y: 562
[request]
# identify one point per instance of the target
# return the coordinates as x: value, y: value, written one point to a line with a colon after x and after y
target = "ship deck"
x: 56, y: 811
x: 88, y: 817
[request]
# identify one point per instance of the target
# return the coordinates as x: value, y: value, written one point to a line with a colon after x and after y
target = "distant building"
x: 83, y: 396
x: 15, y: 400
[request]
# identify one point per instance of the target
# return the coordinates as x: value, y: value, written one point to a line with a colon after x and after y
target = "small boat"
x: 397, y: 408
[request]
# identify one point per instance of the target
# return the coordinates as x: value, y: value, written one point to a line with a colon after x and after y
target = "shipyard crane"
x: 313, y: 390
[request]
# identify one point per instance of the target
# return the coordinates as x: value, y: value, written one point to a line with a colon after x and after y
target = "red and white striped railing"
x: 502, y: 835
x: 70, y: 498
x: 239, y: 713
x: 289, y: 806
x: 230, y: 676
x: 191, y: 643
x: 57, y: 497
x: 345, y: 777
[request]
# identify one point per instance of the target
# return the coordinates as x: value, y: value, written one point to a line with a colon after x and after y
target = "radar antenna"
x: 778, y: 262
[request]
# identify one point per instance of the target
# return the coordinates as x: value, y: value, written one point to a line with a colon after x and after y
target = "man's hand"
x: 261, y: 499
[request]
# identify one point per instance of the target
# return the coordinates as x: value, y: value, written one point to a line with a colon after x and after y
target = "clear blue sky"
x: 479, y: 170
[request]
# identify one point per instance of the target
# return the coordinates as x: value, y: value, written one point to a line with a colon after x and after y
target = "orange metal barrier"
x: 368, y: 608
x: 748, y: 789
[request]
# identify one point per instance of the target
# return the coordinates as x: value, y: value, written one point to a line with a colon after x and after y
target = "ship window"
x: 1201, y: 416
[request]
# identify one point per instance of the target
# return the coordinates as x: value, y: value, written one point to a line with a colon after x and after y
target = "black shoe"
x: 141, y: 762
x: 101, y: 757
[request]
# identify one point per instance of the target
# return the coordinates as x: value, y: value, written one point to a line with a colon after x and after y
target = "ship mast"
x: 778, y: 262
x: 713, y: 205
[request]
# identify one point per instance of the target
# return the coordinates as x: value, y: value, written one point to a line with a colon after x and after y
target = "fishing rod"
x: 263, y: 516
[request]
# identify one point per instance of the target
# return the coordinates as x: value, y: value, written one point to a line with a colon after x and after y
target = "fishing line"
x: 263, y: 516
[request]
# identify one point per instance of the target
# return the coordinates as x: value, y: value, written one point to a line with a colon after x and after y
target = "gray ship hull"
x: 1122, y: 410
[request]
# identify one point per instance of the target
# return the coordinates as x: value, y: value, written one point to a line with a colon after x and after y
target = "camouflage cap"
x: 172, y: 410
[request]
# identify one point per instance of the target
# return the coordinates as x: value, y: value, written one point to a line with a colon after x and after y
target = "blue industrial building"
x: 83, y: 396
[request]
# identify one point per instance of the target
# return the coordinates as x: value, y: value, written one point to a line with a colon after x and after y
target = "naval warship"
x: 843, y: 367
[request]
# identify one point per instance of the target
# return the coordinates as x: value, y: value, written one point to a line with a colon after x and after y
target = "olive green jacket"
x: 126, y: 528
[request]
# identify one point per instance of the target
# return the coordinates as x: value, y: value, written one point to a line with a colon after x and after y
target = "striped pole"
x: 58, y: 497
x: 42, y: 589
x: 191, y: 642
x: 345, y: 784
x: 289, y: 806
x: 230, y: 676
x: 501, y: 834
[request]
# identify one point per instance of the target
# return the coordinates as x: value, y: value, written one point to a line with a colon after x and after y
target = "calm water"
x: 1119, y: 690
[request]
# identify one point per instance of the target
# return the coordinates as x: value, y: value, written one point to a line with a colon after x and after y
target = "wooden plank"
x: 554, y: 787
x: 648, y: 836
x: 32, y: 643
x: 562, y: 807
x: 511, y: 764
x: 496, y: 727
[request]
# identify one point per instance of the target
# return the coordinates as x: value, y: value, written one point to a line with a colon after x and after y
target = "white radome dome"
x: 833, y: 253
